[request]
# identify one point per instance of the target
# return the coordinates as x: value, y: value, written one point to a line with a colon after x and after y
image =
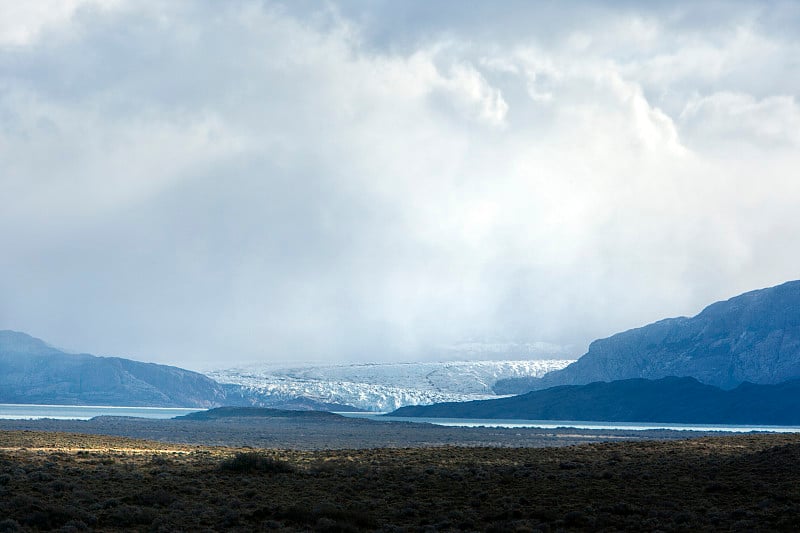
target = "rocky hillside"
x: 753, y: 337
x: 33, y: 372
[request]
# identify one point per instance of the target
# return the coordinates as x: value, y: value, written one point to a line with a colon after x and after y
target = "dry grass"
x: 51, y: 481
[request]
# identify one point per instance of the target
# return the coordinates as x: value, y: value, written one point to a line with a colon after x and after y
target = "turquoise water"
x: 85, y: 412
x: 577, y: 424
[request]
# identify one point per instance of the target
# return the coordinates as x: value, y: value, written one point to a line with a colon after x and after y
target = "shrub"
x: 154, y: 498
x: 74, y: 526
x: 48, y: 516
x: 10, y: 525
x: 160, y: 460
x: 328, y: 517
x: 255, y: 462
x: 127, y: 516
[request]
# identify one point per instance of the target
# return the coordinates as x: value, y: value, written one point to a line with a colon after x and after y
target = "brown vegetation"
x: 52, y: 481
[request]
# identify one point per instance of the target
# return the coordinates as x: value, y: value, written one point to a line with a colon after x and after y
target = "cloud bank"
x: 202, y: 183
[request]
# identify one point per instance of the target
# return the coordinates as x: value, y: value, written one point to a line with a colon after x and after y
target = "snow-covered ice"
x: 384, y: 386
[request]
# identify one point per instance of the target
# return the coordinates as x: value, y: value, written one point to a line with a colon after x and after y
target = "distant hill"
x: 257, y: 412
x: 34, y: 372
x: 678, y: 400
x: 238, y: 395
x: 754, y: 337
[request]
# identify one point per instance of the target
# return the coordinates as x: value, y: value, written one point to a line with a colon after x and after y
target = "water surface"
x: 85, y: 412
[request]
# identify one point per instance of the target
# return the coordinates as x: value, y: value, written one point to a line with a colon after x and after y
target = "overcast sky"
x: 207, y: 183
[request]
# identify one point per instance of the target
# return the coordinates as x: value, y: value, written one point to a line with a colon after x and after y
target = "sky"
x: 207, y: 183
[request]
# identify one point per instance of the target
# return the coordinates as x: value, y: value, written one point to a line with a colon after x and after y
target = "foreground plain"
x: 80, y: 482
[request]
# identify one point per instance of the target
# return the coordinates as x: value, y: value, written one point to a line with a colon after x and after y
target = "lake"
x: 85, y: 412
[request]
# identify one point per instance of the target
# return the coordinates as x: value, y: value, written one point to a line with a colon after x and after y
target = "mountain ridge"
x: 753, y: 337
x: 32, y: 371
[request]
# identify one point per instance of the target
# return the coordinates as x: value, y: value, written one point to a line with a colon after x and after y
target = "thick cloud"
x: 205, y: 183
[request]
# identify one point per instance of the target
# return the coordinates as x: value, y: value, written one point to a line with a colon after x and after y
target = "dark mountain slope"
x: 753, y: 337
x: 33, y: 372
x: 679, y: 400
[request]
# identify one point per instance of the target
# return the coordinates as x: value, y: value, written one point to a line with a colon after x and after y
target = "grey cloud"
x: 205, y: 184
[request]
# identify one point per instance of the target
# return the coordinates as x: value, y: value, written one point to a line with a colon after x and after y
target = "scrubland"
x: 73, y: 482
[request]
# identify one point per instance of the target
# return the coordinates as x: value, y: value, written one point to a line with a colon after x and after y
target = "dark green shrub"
x: 73, y: 526
x: 255, y: 462
x: 154, y: 498
x: 328, y: 517
x: 127, y: 516
x: 9, y: 525
x: 47, y: 516
x: 160, y: 460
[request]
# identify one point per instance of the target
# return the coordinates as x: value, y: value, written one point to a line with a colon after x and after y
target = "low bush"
x: 154, y: 498
x: 128, y: 516
x: 255, y: 462
x: 9, y: 525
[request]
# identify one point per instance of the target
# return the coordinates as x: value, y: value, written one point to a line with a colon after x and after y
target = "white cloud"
x: 472, y: 92
x: 58, y: 156
x: 738, y: 118
x: 272, y: 181
x: 21, y: 23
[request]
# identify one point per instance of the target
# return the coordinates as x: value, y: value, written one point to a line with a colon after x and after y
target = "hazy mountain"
x: 753, y: 337
x: 31, y: 371
x: 34, y: 372
x: 679, y: 400
x: 376, y: 386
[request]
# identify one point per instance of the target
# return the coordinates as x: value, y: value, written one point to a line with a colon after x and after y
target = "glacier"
x: 382, y: 386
